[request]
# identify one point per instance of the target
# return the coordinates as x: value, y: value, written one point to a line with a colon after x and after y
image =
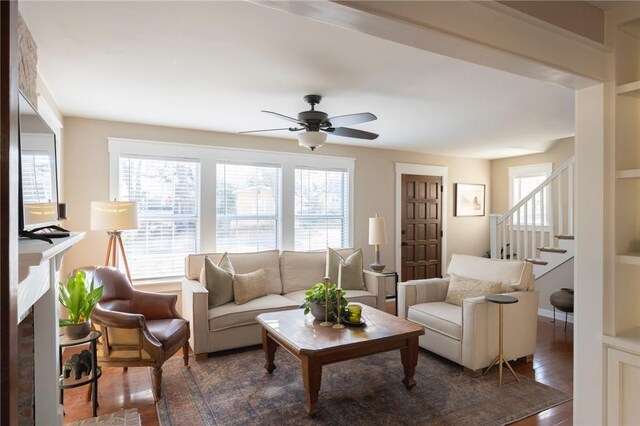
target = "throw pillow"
x: 218, y: 279
x: 461, y: 288
x: 351, y: 271
x: 249, y: 286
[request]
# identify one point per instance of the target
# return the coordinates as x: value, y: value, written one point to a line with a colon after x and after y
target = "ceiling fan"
x: 317, y: 124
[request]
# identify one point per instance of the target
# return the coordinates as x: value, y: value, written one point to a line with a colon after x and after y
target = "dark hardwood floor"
x: 552, y: 365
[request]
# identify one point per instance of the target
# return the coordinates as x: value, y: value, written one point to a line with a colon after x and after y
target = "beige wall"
x: 578, y: 17
x: 86, y: 169
x: 559, y: 153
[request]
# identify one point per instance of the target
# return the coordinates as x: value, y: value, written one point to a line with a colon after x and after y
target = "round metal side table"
x: 501, y: 300
x: 94, y: 375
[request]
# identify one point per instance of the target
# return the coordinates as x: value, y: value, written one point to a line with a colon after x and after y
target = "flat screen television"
x: 38, y: 177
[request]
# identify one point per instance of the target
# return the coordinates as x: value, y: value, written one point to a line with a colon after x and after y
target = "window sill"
x: 167, y: 284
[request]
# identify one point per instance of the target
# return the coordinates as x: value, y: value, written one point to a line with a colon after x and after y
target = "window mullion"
x: 288, y: 206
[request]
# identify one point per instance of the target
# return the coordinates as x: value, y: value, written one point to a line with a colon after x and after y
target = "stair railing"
x: 535, y: 220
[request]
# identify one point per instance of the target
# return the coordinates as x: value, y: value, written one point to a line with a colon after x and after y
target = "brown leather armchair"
x: 139, y: 329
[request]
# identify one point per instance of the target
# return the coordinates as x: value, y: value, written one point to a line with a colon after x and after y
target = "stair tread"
x: 552, y: 249
x: 565, y: 237
x: 536, y: 261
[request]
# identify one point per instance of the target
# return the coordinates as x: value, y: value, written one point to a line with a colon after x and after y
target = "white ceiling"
x: 215, y: 65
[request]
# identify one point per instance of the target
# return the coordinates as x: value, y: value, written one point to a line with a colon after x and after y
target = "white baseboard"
x: 559, y: 314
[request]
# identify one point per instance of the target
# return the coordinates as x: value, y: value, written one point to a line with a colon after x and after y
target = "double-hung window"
x: 321, y: 208
x: 36, y: 177
x: 522, y: 181
x: 204, y: 199
x: 248, y: 207
x: 168, y: 194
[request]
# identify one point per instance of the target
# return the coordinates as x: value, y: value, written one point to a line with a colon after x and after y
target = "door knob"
x: 404, y: 244
x: 404, y: 232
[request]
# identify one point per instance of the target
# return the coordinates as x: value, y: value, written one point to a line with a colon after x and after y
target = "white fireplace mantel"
x: 38, y: 269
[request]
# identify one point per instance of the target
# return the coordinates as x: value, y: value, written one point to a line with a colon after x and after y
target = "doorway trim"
x: 424, y: 170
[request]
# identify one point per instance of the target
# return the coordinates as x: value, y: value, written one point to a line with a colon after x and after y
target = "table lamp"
x: 377, y: 236
x: 114, y: 217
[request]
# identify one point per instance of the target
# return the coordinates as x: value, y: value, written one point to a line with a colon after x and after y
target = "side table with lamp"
x: 378, y: 236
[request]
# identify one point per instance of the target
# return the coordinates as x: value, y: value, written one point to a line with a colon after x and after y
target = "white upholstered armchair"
x: 468, y: 334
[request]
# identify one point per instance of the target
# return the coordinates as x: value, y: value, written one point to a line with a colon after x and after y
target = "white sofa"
x: 468, y: 335
x: 289, y: 275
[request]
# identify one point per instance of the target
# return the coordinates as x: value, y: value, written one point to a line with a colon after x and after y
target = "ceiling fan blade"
x: 291, y: 129
x: 351, y: 133
x: 293, y: 120
x: 351, y: 119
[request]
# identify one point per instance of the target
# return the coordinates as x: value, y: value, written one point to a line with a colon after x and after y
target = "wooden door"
x: 421, y: 227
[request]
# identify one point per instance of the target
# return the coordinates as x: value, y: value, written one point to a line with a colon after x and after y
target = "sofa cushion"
x: 514, y: 275
x: 249, y: 286
x: 461, y: 288
x: 232, y: 315
x: 243, y: 263
x: 218, y: 279
x: 361, y: 296
x: 302, y: 269
x: 353, y: 264
x: 441, y: 317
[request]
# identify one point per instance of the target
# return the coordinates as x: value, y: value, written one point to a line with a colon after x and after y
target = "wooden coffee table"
x: 316, y: 346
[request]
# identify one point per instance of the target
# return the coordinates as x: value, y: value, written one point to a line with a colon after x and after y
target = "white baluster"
x: 526, y: 231
x: 534, y: 209
x: 543, y: 216
x: 493, y: 235
x: 518, y: 251
x: 551, y: 216
x: 570, y: 199
x: 560, y: 207
x: 504, y: 238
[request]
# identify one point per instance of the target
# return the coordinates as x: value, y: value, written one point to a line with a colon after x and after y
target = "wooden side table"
x: 501, y: 300
x: 94, y: 375
x: 393, y: 275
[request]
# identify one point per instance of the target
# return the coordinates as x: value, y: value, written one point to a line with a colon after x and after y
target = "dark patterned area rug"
x: 233, y: 388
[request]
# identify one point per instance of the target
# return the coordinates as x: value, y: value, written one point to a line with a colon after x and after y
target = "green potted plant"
x: 314, y: 302
x: 79, y: 301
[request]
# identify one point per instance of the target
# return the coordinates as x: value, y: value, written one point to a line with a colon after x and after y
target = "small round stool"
x: 563, y: 301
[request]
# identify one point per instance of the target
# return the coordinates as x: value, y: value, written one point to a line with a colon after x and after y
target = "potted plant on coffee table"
x: 314, y: 302
x: 79, y: 301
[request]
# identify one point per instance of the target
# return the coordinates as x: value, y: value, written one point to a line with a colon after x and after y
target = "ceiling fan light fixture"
x: 312, y: 139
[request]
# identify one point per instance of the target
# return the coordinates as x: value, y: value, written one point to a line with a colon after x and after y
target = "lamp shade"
x: 114, y: 215
x: 37, y: 213
x: 311, y: 140
x: 377, y: 230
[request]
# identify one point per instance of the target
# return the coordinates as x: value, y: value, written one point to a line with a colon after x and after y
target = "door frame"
x: 424, y: 170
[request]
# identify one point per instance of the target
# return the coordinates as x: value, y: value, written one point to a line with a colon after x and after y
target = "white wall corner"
x: 588, y: 368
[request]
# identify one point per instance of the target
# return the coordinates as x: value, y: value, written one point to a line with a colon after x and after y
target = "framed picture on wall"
x: 469, y: 199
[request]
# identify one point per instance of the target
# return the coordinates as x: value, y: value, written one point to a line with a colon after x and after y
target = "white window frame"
x: 525, y: 171
x: 351, y: 198
x: 280, y: 225
x: 116, y: 160
x: 209, y: 156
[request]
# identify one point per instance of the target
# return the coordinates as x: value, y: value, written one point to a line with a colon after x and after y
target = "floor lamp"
x: 114, y: 217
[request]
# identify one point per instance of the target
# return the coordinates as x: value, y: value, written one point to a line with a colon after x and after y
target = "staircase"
x: 539, y: 228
